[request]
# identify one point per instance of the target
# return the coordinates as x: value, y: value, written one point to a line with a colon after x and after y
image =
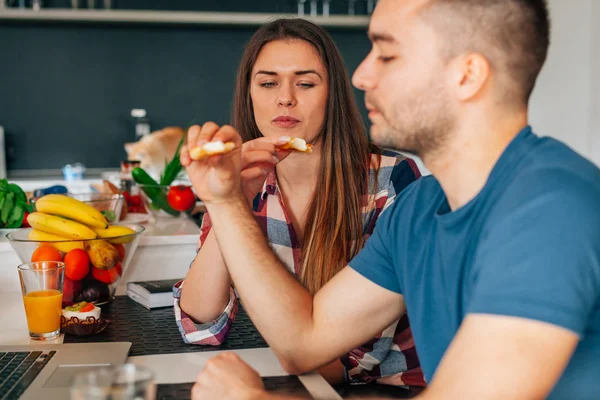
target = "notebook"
x: 152, y: 294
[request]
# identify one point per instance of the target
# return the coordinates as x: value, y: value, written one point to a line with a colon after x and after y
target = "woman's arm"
x: 206, y: 290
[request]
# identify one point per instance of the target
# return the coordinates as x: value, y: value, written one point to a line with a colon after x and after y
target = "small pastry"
x: 82, y: 311
x: 211, y: 149
x: 297, y: 144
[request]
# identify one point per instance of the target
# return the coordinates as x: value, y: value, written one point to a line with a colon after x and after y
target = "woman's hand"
x: 259, y: 158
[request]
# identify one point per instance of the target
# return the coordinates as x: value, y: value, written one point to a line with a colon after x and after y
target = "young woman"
x: 317, y: 210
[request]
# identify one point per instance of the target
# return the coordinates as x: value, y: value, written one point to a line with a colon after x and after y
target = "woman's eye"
x: 306, y: 85
x: 267, y: 84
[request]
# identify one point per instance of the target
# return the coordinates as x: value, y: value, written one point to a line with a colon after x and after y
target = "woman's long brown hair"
x: 334, y: 228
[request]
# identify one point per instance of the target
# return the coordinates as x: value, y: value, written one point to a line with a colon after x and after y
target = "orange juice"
x: 43, y: 309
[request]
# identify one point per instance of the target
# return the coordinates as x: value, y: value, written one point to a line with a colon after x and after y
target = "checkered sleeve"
x: 211, y: 333
x: 390, y: 357
x: 404, y: 172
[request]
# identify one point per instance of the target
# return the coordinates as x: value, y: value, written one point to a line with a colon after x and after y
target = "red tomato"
x: 25, y: 224
x: 108, y: 276
x: 77, y: 264
x: 121, y: 249
x: 181, y: 197
x: 46, y: 253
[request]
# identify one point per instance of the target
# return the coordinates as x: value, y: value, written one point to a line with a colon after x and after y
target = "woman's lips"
x: 286, y: 122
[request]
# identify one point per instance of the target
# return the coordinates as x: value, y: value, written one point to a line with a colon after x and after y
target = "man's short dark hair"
x: 514, y: 35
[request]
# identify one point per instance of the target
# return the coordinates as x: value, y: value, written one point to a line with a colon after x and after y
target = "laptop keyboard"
x: 19, y: 369
x: 289, y: 385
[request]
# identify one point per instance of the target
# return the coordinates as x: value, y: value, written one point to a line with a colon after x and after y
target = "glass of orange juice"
x: 42, y: 287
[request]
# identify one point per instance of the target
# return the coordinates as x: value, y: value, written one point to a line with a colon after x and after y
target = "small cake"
x: 211, y: 149
x: 82, y: 311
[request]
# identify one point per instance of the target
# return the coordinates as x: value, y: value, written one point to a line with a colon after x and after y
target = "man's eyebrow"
x: 381, y: 37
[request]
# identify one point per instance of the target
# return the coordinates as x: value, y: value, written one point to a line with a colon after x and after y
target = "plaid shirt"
x: 390, y: 357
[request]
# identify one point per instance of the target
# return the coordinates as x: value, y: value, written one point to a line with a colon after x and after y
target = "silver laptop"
x: 45, y: 371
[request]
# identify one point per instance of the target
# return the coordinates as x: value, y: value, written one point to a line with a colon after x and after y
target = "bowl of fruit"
x: 95, y: 252
x: 110, y: 205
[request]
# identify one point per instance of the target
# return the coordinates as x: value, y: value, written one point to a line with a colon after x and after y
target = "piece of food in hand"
x: 297, y: 144
x: 211, y: 149
x: 81, y: 310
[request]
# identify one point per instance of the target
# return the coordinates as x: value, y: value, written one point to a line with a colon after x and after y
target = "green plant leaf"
x: 15, y: 219
x: 7, y: 207
x: 173, y: 168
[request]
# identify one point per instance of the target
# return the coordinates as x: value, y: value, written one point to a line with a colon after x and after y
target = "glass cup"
x: 42, y: 287
x: 124, y: 382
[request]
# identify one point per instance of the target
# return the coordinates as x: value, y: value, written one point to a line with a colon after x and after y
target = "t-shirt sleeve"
x: 375, y: 261
x: 541, y: 261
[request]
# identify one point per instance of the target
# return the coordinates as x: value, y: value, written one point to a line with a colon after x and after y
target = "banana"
x: 114, y: 231
x: 60, y: 226
x: 68, y: 207
x: 43, y: 237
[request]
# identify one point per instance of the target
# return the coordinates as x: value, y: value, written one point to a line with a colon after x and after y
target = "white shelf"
x: 170, y: 17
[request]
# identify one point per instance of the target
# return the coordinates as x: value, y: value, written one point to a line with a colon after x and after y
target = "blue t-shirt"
x: 528, y: 245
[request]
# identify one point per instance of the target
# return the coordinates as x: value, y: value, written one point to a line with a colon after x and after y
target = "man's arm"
x: 504, y: 358
x: 305, y: 332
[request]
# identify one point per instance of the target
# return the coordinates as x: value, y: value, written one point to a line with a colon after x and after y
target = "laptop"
x: 45, y: 371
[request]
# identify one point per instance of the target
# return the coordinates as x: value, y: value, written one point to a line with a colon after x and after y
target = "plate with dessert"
x: 82, y: 319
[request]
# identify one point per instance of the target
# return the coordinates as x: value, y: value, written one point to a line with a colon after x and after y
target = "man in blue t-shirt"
x: 496, y: 256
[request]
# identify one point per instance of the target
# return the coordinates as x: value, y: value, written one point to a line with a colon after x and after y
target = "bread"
x: 211, y: 149
x: 297, y: 144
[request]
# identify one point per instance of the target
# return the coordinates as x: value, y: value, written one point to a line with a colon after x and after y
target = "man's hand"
x: 227, y: 377
x: 216, y: 178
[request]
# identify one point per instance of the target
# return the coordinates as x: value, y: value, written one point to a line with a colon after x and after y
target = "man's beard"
x: 420, y: 126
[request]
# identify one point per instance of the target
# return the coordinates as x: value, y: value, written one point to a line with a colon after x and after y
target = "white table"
x: 164, y: 253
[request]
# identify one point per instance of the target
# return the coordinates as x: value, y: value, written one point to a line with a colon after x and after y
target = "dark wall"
x: 66, y: 91
x: 258, y: 6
